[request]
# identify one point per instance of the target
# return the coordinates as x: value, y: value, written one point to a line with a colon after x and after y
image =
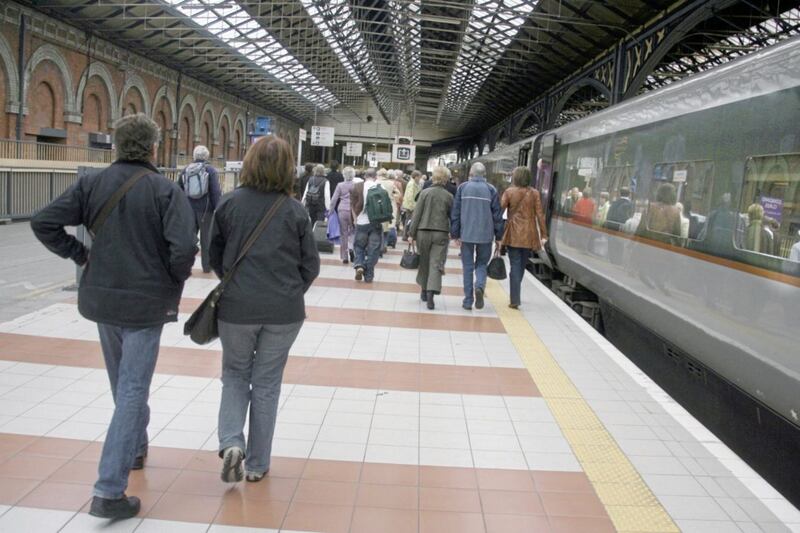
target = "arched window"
x: 43, y: 113
x: 186, y: 135
x: 92, y: 114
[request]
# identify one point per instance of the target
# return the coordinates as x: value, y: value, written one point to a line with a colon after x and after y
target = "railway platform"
x: 392, y: 418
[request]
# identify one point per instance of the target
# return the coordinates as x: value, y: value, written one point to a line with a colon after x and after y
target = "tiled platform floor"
x: 392, y: 418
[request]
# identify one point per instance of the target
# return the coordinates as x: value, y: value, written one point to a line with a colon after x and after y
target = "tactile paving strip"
x: 628, y: 500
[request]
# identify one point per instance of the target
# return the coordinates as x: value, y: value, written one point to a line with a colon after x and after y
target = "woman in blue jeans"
x: 262, y: 309
x: 525, y: 229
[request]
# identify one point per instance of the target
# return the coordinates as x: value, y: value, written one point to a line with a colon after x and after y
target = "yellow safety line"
x: 628, y: 500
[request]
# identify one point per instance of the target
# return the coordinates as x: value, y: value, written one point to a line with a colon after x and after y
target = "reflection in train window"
x: 679, y: 199
x: 769, y: 211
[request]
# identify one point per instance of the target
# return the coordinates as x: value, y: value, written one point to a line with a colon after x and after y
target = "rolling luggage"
x: 321, y: 237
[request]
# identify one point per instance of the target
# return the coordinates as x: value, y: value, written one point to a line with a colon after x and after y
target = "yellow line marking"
x: 628, y: 500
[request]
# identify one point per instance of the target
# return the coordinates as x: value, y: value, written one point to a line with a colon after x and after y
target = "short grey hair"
x: 319, y: 170
x: 440, y: 175
x: 477, y: 169
x: 349, y: 173
x: 134, y: 137
x: 369, y: 174
x: 201, y: 153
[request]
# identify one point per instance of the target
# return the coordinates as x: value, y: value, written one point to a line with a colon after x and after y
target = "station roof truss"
x: 459, y: 65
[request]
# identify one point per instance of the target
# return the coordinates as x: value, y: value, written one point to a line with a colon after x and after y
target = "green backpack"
x: 378, y: 205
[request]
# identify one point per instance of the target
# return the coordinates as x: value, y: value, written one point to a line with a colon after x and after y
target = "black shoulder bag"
x: 202, y: 325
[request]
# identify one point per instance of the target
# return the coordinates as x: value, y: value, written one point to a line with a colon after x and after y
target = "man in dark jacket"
x: 131, y: 286
x: 200, y: 183
x: 334, y: 176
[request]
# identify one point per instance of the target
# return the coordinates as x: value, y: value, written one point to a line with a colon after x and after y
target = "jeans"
x: 368, y: 242
x: 130, y: 355
x: 202, y: 222
x: 518, y: 257
x: 474, y: 259
x: 253, y: 359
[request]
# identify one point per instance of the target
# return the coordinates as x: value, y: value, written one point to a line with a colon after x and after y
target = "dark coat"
x: 334, y: 178
x: 270, y: 282
x: 209, y: 202
x: 432, y: 211
x: 142, y: 254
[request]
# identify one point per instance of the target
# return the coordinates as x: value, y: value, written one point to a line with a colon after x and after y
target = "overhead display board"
x: 321, y: 136
x: 403, y: 153
x: 379, y: 157
x: 353, y: 149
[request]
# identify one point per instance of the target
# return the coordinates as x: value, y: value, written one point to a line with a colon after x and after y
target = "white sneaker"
x: 232, y: 470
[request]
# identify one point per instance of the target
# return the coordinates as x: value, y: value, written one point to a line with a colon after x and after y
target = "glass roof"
x: 407, y: 34
x: 231, y: 24
x: 492, y: 26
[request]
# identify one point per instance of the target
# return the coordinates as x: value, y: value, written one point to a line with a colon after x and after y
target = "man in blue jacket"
x: 475, y: 222
x: 131, y: 286
x: 200, y: 183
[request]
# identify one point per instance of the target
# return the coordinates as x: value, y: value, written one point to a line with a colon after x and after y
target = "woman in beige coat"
x: 525, y: 228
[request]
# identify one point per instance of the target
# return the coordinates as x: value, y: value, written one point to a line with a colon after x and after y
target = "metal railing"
x: 37, y: 151
x: 24, y: 191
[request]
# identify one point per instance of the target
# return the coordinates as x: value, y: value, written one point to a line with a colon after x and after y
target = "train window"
x: 679, y: 200
x: 769, y: 211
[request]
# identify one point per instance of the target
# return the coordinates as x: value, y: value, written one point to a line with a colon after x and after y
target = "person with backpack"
x: 200, y: 183
x: 372, y: 207
x: 143, y: 249
x: 475, y: 222
x: 317, y: 195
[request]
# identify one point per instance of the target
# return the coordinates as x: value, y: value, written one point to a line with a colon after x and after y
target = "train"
x: 710, y: 306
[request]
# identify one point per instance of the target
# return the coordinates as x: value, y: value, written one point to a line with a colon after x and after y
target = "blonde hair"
x: 440, y: 175
x: 755, y: 212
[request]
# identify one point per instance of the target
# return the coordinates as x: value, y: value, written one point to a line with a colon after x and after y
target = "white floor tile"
x: 445, y: 457
x: 403, y: 455
x: 84, y: 523
x: 337, y: 451
x: 149, y: 525
x: 495, y: 459
x: 78, y: 430
x: 26, y: 519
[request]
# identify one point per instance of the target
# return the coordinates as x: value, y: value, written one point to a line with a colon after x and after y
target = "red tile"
x: 326, y: 492
x: 509, y: 523
x: 446, y: 522
x: 440, y: 476
x: 491, y: 479
x: 511, y: 502
x: 574, y: 524
x: 236, y: 510
x: 54, y: 495
x: 12, y: 490
x: 372, y: 520
x: 318, y: 517
x: 444, y: 499
x: 388, y: 496
x: 379, y: 473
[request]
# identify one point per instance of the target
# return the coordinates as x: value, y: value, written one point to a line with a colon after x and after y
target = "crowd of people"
x: 260, y: 235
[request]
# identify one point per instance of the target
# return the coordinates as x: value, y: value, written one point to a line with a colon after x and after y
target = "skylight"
x: 492, y: 26
x: 228, y: 22
x: 407, y: 34
x: 336, y: 22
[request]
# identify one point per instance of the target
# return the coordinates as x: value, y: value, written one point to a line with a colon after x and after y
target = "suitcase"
x: 321, y: 237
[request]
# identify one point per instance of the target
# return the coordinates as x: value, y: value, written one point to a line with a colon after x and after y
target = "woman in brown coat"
x: 522, y: 236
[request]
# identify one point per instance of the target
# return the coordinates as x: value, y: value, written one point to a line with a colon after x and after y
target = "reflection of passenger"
x: 695, y: 220
x: 718, y: 232
x: 684, y: 221
x: 794, y: 253
x: 757, y: 237
x: 602, y: 209
x: 620, y: 210
x: 584, y: 208
x: 573, y: 196
x: 663, y: 216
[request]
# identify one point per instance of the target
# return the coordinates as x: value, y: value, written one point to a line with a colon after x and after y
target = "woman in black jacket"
x: 262, y: 309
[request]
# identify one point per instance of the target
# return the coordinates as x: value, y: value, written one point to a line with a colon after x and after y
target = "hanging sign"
x: 321, y: 136
x: 303, y: 134
x: 379, y: 157
x: 679, y: 176
x: 403, y: 153
x: 262, y: 126
x: 353, y: 149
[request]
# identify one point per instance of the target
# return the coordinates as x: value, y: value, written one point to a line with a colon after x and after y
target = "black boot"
x: 423, y: 295
x: 430, y: 300
x: 125, y: 507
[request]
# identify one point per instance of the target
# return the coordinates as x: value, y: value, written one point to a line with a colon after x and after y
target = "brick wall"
x: 66, y: 91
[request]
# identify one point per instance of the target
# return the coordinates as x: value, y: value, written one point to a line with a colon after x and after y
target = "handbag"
x: 497, y: 267
x: 410, y: 259
x: 202, y: 325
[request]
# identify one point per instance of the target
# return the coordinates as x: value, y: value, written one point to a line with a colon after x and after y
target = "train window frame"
x: 741, y: 208
x: 707, y: 188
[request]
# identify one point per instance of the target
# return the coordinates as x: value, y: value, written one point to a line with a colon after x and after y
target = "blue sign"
x: 773, y: 207
x: 262, y: 125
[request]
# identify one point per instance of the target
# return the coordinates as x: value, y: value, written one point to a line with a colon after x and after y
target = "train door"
x: 545, y: 175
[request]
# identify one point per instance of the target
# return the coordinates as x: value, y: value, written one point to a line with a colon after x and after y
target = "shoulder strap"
x: 115, y: 199
x: 252, y: 239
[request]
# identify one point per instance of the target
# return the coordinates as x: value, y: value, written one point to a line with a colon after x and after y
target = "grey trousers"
x: 432, y: 248
x: 253, y: 359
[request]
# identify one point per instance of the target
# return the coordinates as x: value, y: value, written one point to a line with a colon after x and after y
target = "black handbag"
x: 497, y: 267
x: 202, y: 325
x: 410, y: 258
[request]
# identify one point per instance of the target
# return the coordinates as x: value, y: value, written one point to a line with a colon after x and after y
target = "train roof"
x: 769, y: 70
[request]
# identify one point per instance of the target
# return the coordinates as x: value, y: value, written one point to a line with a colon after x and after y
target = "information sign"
x: 233, y: 166
x: 321, y: 136
x: 773, y: 207
x: 679, y: 176
x: 303, y: 134
x: 353, y: 149
x: 403, y: 153
x: 379, y: 157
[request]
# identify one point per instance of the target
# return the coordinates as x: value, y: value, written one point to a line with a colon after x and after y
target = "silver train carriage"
x: 704, y: 254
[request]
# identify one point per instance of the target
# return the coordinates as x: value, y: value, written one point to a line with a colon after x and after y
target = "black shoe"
x: 125, y: 507
x: 232, y: 470
x: 466, y: 307
x: 478, y: 298
x: 423, y: 295
x: 206, y: 270
x: 345, y: 261
x: 138, y: 463
x: 352, y: 255
x: 367, y: 280
x: 359, y: 273
x: 431, y: 305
